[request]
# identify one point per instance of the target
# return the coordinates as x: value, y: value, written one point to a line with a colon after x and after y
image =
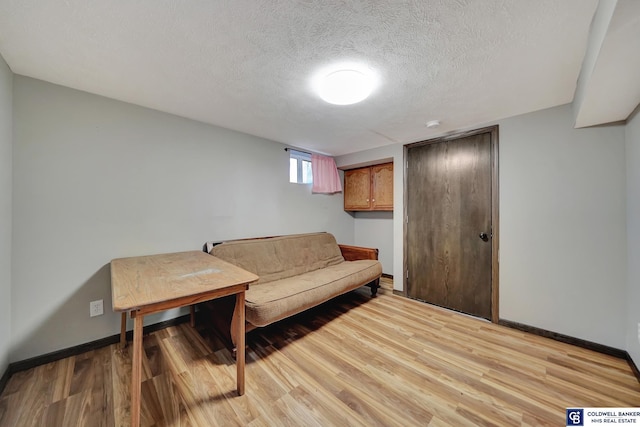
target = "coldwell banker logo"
x: 575, y: 417
x: 598, y: 416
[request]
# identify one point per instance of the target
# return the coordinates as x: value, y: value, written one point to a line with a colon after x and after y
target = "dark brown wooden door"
x: 449, y: 249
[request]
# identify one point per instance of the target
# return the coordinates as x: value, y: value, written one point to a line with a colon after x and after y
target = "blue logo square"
x: 575, y: 417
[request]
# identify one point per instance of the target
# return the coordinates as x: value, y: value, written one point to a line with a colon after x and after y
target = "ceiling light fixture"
x: 433, y: 123
x: 345, y: 86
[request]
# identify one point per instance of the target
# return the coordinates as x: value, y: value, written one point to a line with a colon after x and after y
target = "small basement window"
x: 300, y: 167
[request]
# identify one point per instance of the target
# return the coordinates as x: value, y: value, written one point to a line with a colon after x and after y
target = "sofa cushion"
x: 268, y: 303
x: 277, y: 258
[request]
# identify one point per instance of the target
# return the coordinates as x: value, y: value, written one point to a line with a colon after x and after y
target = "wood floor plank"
x: 327, y: 380
x: 38, y: 395
x: 77, y: 410
x: 62, y: 385
x: 189, y: 393
x: 83, y: 376
x: 54, y: 413
x: 355, y: 361
x: 310, y: 382
x: 102, y: 410
x: 10, y: 409
x: 120, y: 384
x: 339, y: 353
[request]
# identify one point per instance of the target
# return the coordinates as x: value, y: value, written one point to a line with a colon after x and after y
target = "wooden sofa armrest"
x: 354, y: 253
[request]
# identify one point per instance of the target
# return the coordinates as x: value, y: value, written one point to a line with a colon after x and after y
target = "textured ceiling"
x: 247, y: 64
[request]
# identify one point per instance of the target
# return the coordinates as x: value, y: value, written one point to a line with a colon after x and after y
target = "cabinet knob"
x: 373, y: 200
x: 367, y: 200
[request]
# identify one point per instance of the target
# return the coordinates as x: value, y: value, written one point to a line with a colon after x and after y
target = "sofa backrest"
x: 275, y: 258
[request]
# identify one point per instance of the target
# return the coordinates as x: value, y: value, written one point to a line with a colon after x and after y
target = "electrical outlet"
x: 96, y: 308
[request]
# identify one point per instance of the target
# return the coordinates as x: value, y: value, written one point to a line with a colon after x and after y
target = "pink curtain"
x: 325, y: 175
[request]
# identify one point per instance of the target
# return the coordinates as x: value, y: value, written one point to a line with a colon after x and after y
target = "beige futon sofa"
x: 296, y: 272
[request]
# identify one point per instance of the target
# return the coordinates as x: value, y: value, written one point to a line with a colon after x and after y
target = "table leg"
x: 136, y: 370
x: 240, y: 353
x: 123, y: 330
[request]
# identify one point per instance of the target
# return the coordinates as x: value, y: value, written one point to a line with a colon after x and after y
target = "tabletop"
x: 147, y: 280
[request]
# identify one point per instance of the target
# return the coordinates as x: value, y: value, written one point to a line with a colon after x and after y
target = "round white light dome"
x: 344, y: 87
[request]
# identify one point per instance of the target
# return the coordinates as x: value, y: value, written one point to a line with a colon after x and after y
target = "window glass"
x: 300, y: 167
x: 307, y: 176
x: 293, y: 170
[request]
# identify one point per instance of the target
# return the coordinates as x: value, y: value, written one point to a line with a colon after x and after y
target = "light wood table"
x: 149, y: 284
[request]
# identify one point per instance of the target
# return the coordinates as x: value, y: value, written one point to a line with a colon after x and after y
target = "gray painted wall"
x: 6, y: 125
x: 633, y: 235
x: 563, y: 255
x: 377, y: 229
x: 563, y: 226
x: 96, y: 179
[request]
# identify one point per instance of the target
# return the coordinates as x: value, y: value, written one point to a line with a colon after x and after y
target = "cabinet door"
x: 382, y: 187
x: 357, y: 187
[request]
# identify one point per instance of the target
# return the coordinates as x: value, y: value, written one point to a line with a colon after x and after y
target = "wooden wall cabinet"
x: 369, y: 189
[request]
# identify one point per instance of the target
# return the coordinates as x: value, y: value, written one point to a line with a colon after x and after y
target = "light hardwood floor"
x: 387, y: 361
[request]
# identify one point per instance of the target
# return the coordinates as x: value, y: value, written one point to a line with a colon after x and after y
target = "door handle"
x: 484, y: 237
